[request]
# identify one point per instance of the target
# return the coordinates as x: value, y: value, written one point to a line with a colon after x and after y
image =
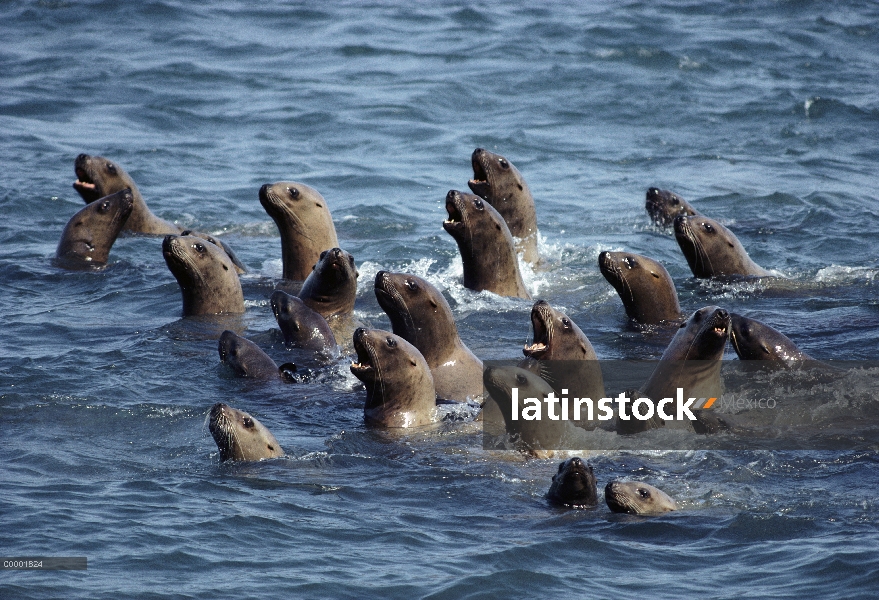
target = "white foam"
x: 841, y: 274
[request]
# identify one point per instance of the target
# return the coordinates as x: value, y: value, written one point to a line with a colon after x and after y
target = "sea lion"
x: 663, y: 206
x: 499, y: 183
x: 637, y: 498
x: 246, y: 359
x: 753, y: 340
x: 304, y: 222
x: 712, y: 250
x: 90, y: 233
x: 645, y: 287
x: 331, y: 288
x: 574, y: 485
x: 485, y: 244
x: 301, y: 326
x: 399, y: 386
x: 98, y: 177
x: 420, y: 315
x: 539, y: 437
x: 240, y: 436
x: 206, y: 276
x: 239, y: 266
x: 565, y: 357
x: 691, y: 361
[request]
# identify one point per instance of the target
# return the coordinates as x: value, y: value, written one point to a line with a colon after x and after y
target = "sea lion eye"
x: 111, y: 168
x: 200, y: 248
x: 248, y: 423
x: 630, y: 262
x: 644, y: 494
x: 392, y: 343
x: 708, y: 227
x: 566, y: 323
x: 322, y: 254
x: 478, y: 204
x: 674, y: 200
x: 105, y: 206
x: 411, y: 284
x: 294, y: 193
x: 520, y: 379
x: 503, y: 163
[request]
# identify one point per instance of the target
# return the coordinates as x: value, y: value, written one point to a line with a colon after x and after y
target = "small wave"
x: 841, y: 274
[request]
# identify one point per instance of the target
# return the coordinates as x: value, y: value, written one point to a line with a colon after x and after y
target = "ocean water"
x: 765, y: 115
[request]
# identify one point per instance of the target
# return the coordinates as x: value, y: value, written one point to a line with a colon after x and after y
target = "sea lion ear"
x: 356, y: 273
x: 655, y: 274
x: 412, y: 360
x: 433, y: 303
x: 731, y: 245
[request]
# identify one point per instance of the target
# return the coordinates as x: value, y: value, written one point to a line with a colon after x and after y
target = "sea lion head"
x: 97, y: 177
x: 534, y: 435
x: 701, y: 337
x: 206, y: 275
x: 753, y: 340
x: 495, y: 179
x: 399, y: 386
x: 465, y: 212
x: 91, y: 232
x: 663, y: 206
x: 304, y: 222
x: 240, y: 436
x: 712, y: 250
x: 239, y: 266
x: 637, y: 498
x: 556, y: 336
x: 302, y: 327
x: 245, y: 358
x: 331, y: 288
x: 574, y: 485
x: 296, y: 203
x: 644, y: 286
x: 418, y: 311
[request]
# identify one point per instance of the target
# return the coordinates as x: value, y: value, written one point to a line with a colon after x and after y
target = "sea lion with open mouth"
x: 91, y: 232
x: 98, y: 177
x: 563, y: 356
x: 207, y: 278
x: 637, y: 498
x: 420, y: 314
x: 574, y: 485
x: 399, y: 386
x: 240, y: 436
x: 485, y: 244
x: 645, y: 287
x: 304, y: 222
x: 712, y: 250
x: 663, y: 206
x: 499, y: 183
x: 692, y: 362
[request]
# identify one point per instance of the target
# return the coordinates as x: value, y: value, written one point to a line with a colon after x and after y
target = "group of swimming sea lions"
x: 423, y: 360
